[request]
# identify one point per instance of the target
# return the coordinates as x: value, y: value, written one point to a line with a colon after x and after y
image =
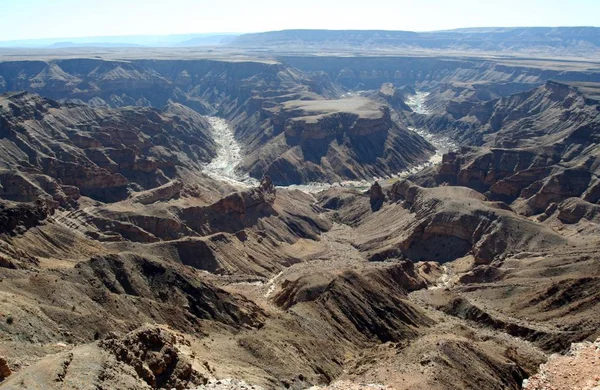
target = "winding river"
x: 225, y: 166
x: 441, y: 143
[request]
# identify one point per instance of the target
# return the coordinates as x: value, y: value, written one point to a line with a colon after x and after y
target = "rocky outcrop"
x: 531, y: 179
x: 538, y: 117
x: 233, y: 212
x: 163, y: 193
x: 574, y: 210
x: 146, y: 358
x: 323, y: 119
x: 29, y: 187
x: 16, y: 218
x: 376, y: 196
x: 395, y: 97
x: 540, y: 148
x: 284, y: 217
x: 504, y: 173
x: 153, y: 354
x: 240, y: 233
x: 463, y: 308
x: 577, y: 369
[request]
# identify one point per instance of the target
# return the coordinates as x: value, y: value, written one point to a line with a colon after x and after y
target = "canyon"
x: 232, y: 218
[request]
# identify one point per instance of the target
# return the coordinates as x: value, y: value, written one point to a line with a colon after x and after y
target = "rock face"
x: 67, y: 150
x: 534, y: 179
x: 442, y: 224
x: 574, y: 210
x: 242, y: 230
x: 147, y: 358
x: 539, y: 149
x: 538, y: 117
x: 334, y: 140
x: 152, y: 353
x: 165, y: 192
x: 233, y: 212
x: 456, y: 221
x: 116, y: 83
x: 493, y: 79
x: 376, y: 196
x: 29, y: 187
x: 318, y: 119
x: 395, y: 97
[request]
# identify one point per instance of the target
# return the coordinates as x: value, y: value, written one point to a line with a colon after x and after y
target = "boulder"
x: 153, y: 353
x: 5, y: 370
x: 376, y: 196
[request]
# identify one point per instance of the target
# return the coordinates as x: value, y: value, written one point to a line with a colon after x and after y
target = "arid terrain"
x: 259, y: 217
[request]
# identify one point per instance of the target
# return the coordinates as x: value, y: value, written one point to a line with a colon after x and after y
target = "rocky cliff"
x: 503, y: 77
x: 539, y: 148
x: 63, y: 150
x: 334, y: 140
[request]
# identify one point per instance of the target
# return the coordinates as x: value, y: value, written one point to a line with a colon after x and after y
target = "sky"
x: 34, y: 19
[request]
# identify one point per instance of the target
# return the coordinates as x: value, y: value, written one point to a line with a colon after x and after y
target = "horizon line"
x: 216, y: 33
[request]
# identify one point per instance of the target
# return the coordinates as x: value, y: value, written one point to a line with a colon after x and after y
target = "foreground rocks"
x: 577, y: 370
x: 228, y: 384
x: 147, y: 358
x: 154, y: 356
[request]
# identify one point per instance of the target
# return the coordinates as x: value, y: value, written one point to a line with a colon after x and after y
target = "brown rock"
x: 164, y: 193
x: 18, y: 217
x: 4, y: 369
x: 151, y: 351
x: 376, y: 196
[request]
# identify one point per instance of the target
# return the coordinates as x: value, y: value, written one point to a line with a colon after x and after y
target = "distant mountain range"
x: 553, y: 41
x: 205, y: 39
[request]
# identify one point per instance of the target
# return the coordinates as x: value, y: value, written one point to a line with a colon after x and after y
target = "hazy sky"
x: 24, y: 19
